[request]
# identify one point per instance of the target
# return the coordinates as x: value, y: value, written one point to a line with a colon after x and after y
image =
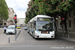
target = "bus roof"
x: 42, y: 16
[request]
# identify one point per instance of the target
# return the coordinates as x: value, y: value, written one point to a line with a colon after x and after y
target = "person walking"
x: 5, y: 29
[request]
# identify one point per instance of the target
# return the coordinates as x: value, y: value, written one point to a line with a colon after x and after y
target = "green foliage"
x: 48, y: 7
x: 3, y: 10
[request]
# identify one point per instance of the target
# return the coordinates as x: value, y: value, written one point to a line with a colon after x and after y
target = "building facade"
x: 70, y: 22
x: 21, y: 21
x: 10, y: 19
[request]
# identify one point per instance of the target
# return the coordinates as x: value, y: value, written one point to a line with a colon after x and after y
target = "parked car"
x: 18, y: 26
x: 10, y: 29
x: 26, y: 28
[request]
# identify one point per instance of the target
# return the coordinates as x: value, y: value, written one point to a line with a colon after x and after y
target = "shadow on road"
x: 46, y: 39
x: 10, y: 34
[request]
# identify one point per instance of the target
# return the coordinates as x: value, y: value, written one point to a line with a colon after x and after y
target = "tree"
x: 3, y: 10
x: 52, y: 8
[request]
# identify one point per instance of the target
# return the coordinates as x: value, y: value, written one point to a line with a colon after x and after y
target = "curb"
x: 16, y: 36
x: 67, y: 39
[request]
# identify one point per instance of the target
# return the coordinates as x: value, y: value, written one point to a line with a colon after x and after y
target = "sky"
x: 19, y: 6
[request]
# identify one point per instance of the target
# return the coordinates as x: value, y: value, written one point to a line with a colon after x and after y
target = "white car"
x: 10, y: 29
x: 26, y: 28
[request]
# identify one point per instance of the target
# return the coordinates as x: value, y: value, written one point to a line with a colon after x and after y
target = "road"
x: 27, y: 42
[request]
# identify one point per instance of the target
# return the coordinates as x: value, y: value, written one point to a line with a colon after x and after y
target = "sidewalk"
x: 70, y: 36
x: 4, y: 37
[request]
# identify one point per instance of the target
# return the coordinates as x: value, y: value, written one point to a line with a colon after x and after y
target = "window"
x: 69, y: 23
x: 44, y: 19
x: 4, y: 23
x: 44, y: 26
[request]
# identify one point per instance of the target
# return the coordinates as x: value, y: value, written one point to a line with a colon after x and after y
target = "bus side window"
x: 34, y: 22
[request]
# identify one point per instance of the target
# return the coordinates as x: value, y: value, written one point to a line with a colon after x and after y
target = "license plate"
x: 44, y: 32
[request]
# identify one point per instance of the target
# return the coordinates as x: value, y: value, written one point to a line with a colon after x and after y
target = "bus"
x: 42, y: 26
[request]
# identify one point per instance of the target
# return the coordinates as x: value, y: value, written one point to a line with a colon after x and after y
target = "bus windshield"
x: 44, y: 26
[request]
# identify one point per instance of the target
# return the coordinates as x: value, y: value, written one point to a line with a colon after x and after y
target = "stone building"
x: 21, y: 21
x: 1, y: 22
x: 10, y: 19
x: 70, y: 22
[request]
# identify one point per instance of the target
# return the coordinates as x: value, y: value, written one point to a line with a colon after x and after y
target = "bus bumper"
x: 37, y: 36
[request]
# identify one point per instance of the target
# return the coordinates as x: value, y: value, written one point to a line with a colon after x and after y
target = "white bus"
x: 41, y: 26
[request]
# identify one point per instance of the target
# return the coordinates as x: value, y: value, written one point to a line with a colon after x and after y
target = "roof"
x: 42, y: 16
x: 11, y: 26
x: 35, y: 18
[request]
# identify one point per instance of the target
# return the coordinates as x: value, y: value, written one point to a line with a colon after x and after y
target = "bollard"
x: 68, y: 36
x: 9, y: 40
x: 15, y: 37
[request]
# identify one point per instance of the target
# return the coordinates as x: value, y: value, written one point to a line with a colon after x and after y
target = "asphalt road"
x: 27, y: 42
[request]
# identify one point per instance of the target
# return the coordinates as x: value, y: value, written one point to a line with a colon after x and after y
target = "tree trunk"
x: 66, y: 23
x: 55, y: 24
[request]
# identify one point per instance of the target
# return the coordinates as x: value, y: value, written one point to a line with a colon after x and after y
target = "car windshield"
x: 44, y: 26
x: 11, y: 27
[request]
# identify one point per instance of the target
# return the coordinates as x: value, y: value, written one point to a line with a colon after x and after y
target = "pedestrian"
x: 5, y: 29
